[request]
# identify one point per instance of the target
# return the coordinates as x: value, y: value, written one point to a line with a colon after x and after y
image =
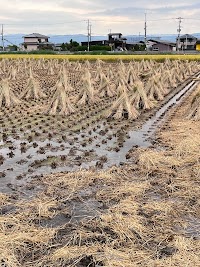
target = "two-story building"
x: 115, y: 40
x: 36, y: 41
x: 186, y: 42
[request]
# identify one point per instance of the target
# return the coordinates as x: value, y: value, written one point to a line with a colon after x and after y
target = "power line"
x: 128, y: 21
x: 77, y: 21
x: 43, y: 24
x: 93, y: 20
x: 89, y: 25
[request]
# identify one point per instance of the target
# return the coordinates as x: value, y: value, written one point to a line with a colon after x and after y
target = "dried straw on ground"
x: 194, y: 112
x: 139, y: 97
x: 60, y: 103
x: 123, y: 107
x: 7, y: 96
x: 87, y: 94
x: 154, y: 88
x: 105, y: 89
x: 33, y: 89
x: 13, y: 74
x: 145, y: 213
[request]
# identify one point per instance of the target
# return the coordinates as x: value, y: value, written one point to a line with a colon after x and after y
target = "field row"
x: 105, y: 57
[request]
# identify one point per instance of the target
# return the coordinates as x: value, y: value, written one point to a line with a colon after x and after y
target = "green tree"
x: 63, y: 47
x: 72, y: 45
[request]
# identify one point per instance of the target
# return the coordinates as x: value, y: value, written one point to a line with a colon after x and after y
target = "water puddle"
x: 86, y: 210
x: 192, y: 228
x: 141, y: 137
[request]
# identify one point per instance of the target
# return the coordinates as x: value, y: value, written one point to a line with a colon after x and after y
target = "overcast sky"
x: 68, y: 17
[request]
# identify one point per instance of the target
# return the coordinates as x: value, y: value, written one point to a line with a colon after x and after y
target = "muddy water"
x: 21, y: 166
x: 141, y: 137
x: 191, y: 227
x: 79, y: 211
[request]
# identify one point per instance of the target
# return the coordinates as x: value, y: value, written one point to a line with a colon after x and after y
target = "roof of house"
x: 46, y: 43
x: 36, y: 43
x: 58, y: 44
x: 135, y: 43
x: 36, y: 35
x: 162, y: 42
x: 187, y: 36
x: 30, y: 43
x: 115, y: 33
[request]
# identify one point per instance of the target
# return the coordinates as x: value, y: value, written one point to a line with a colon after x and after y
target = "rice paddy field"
x: 111, y: 57
x: 99, y: 161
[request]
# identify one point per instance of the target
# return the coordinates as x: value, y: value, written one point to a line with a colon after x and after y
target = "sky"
x: 127, y: 17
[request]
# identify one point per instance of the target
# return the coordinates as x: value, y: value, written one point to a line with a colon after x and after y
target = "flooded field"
x: 39, y: 140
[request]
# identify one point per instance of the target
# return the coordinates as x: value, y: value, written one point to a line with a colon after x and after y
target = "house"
x: 198, y: 45
x: 135, y: 46
x: 161, y: 45
x: 58, y: 46
x: 117, y: 41
x: 186, y: 42
x: 98, y: 42
x: 9, y: 48
x: 36, y: 41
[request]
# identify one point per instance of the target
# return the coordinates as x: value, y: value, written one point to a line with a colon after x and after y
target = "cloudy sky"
x: 69, y: 16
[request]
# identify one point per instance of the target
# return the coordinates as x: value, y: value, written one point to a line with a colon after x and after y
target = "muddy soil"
x: 144, y: 213
x: 39, y: 145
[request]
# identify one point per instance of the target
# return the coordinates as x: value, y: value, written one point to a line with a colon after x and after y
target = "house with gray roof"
x: 35, y: 41
x: 160, y: 45
x: 186, y: 42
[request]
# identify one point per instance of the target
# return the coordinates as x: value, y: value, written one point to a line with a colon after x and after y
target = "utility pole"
x: 179, y: 32
x: 145, y: 30
x: 88, y: 34
x: 2, y: 37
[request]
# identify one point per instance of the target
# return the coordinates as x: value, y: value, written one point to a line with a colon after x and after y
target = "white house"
x: 35, y: 41
x: 186, y: 42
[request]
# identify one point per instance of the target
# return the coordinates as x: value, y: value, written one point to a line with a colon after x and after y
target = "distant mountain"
x: 18, y: 38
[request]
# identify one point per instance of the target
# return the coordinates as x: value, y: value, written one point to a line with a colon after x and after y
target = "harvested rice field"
x: 108, y: 58
x: 99, y: 163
